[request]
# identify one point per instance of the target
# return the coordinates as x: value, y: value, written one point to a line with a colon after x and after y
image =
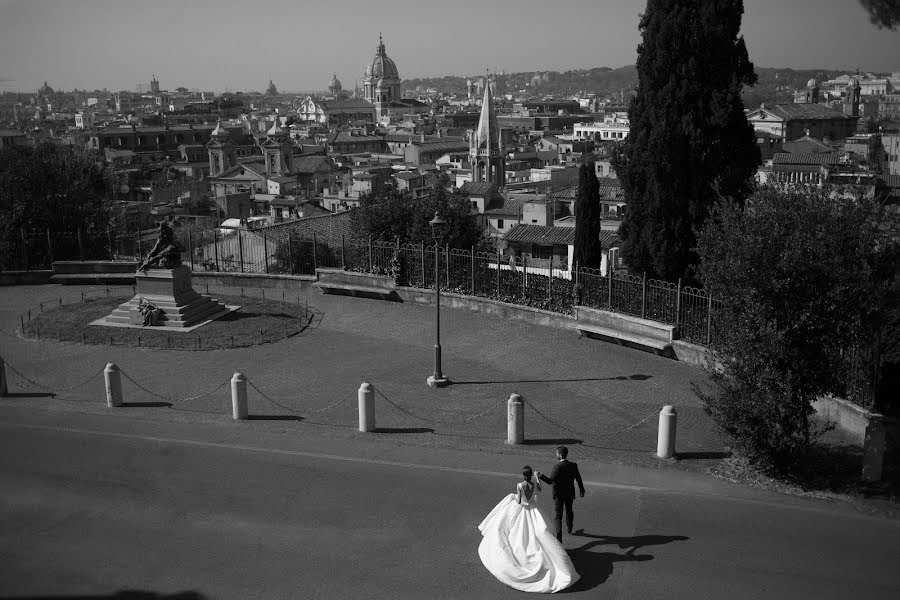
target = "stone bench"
x: 351, y: 283
x: 88, y: 272
x: 626, y: 330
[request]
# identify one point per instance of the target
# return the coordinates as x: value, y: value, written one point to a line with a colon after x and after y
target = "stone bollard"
x: 873, y: 449
x: 515, y: 420
x: 366, y: 395
x: 239, y: 396
x: 4, y: 391
x: 665, y: 444
x: 113, y: 377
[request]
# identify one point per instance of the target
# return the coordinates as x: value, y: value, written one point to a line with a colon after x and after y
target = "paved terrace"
x: 601, y: 399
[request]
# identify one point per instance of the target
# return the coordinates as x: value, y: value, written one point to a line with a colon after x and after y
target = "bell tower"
x: 222, y: 154
x: 486, y: 145
x: 277, y: 151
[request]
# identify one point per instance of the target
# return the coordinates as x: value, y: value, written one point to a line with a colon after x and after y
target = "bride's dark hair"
x: 527, y: 472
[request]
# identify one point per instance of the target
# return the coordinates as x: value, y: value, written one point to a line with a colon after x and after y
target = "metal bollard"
x: 665, y: 444
x: 4, y: 391
x: 366, y: 395
x: 515, y: 419
x: 239, y: 396
x: 113, y: 377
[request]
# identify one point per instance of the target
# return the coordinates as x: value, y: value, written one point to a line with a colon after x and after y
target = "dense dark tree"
x: 885, y: 14
x: 809, y: 285
x: 588, y: 252
x: 391, y: 215
x: 53, y: 187
x: 690, y: 142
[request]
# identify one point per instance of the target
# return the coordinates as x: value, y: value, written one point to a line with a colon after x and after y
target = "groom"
x: 563, y: 478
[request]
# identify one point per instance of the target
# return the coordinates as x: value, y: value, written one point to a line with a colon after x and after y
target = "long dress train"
x: 519, y: 550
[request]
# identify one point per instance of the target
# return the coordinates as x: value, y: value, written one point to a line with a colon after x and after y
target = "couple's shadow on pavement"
x: 596, y: 567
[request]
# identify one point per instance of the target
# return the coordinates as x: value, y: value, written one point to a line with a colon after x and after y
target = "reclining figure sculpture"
x: 166, y: 254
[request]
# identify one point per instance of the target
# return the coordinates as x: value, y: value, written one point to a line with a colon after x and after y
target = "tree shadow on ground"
x: 274, y: 418
x: 403, y: 430
x: 596, y: 567
x: 30, y: 395
x: 122, y: 595
x: 635, y: 377
x: 701, y: 455
x: 552, y: 442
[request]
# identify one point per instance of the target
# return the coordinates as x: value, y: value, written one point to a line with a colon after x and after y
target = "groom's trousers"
x: 559, y: 505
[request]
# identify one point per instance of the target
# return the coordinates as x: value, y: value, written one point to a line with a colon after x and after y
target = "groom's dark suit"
x: 563, y: 478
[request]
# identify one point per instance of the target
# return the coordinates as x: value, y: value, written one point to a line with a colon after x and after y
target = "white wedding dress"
x: 519, y: 549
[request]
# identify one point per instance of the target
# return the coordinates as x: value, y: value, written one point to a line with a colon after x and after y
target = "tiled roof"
x: 540, y: 234
x: 443, y: 145
x: 609, y: 239
x: 786, y: 158
x: 569, y: 192
x: 806, y: 145
x: 511, y: 207
x: 345, y: 137
x: 348, y: 104
x: 544, y: 235
x: 315, y: 164
x: 480, y: 188
x: 806, y: 111
x: 406, y: 175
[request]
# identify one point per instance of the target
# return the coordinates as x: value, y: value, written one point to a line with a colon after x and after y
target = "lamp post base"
x: 437, y: 381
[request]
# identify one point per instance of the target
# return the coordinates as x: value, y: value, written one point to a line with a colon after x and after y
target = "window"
x: 499, y: 223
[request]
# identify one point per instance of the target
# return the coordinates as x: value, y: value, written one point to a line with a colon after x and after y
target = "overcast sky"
x: 239, y: 45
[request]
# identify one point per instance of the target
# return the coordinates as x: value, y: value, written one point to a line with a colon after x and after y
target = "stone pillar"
x: 366, y: 396
x: 239, y: 396
x: 665, y: 444
x: 515, y: 420
x: 113, y: 378
x: 873, y: 449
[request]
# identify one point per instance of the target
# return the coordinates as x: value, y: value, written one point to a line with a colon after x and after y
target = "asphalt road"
x: 95, y: 504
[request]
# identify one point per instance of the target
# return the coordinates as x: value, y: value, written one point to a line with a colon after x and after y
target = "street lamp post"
x: 438, y: 227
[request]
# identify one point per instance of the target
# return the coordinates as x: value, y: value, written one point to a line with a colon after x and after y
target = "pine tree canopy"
x: 689, y: 141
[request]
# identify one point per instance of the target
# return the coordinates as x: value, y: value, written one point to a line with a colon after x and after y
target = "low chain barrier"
x: 409, y: 413
x: 294, y: 410
x: 49, y: 387
x: 593, y: 436
x: 173, y: 400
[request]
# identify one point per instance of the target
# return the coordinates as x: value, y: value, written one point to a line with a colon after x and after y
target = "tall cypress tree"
x: 588, y: 252
x: 689, y: 141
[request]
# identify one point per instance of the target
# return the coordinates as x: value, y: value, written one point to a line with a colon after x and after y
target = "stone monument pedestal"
x: 170, y: 291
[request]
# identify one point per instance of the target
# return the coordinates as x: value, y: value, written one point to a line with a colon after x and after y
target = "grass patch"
x: 258, y: 321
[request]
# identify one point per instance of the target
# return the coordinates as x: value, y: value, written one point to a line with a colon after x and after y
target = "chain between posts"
x: 591, y: 436
x: 313, y: 412
x: 55, y: 389
x: 427, y: 420
x: 168, y: 399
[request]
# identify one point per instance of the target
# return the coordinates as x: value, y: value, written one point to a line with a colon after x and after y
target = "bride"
x: 518, y: 549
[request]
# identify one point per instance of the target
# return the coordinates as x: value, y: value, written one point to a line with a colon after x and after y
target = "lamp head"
x: 438, y: 226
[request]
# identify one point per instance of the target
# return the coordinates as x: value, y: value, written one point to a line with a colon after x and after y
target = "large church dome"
x: 381, y: 66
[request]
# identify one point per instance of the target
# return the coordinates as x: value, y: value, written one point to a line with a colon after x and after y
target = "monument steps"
x: 170, y: 291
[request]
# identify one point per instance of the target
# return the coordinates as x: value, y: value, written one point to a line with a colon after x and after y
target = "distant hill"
x: 775, y: 84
